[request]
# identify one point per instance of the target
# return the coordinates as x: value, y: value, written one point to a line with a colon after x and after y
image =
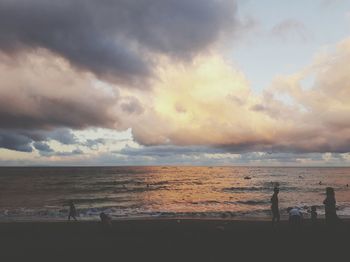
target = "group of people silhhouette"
x: 295, y: 215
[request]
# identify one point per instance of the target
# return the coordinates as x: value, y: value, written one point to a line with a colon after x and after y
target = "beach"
x: 169, y: 214
x: 172, y: 240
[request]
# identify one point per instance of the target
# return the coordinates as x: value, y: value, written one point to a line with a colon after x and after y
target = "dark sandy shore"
x: 173, y: 240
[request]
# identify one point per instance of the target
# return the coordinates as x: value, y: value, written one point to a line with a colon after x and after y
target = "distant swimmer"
x: 320, y: 183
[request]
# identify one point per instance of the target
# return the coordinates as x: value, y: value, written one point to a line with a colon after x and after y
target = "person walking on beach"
x: 72, y: 211
x: 330, y: 207
x: 274, y: 206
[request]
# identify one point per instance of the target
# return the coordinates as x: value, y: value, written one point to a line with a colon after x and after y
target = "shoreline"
x: 284, y: 218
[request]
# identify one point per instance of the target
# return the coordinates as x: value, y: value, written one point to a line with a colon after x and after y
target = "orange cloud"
x: 208, y: 102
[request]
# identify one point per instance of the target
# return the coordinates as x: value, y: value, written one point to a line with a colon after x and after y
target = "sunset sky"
x: 201, y: 82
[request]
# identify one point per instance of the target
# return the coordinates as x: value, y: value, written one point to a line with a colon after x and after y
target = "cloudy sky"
x: 147, y: 82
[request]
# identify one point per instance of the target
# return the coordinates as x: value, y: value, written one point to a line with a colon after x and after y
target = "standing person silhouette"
x: 330, y: 207
x: 313, y: 215
x: 274, y: 206
x: 72, y: 211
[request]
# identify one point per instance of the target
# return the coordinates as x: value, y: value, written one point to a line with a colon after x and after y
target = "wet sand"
x: 172, y: 240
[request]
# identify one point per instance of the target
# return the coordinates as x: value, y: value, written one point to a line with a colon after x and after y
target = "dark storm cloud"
x: 15, y: 141
x: 42, y: 147
x: 59, y: 112
x: 50, y: 153
x: 64, y: 136
x: 42, y: 98
x: 26, y: 140
x: 114, y: 39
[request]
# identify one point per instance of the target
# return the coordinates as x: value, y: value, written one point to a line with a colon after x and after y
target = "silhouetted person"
x: 105, y: 220
x: 72, y: 211
x: 274, y: 206
x: 313, y: 215
x: 295, y: 216
x: 330, y: 207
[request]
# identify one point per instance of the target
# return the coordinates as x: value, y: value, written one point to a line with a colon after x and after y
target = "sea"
x: 43, y: 193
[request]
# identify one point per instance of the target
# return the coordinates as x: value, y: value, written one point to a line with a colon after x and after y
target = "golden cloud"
x: 209, y: 102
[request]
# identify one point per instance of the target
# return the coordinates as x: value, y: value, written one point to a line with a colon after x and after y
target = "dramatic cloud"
x: 42, y: 91
x: 117, y: 39
x: 15, y: 141
x: 322, y: 112
x: 51, y: 53
x: 42, y: 147
x: 64, y: 136
x: 25, y: 140
x: 68, y: 66
x: 209, y: 103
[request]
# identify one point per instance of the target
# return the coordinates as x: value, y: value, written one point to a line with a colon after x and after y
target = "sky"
x: 165, y: 82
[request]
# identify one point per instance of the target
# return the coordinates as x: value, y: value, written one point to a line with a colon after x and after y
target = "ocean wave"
x: 112, y: 183
x: 259, y: 189
x: 234, y: 189
x: 136, y: 211
x: 93, y: 200
x: 206, y: 202
x: 158, y: 183
x: 117, y: 189
x: 60, y: 183
x: 253, y: 202
x: 144, y: 189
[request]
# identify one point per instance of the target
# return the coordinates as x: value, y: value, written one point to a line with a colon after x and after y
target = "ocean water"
x: 42, y: 193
